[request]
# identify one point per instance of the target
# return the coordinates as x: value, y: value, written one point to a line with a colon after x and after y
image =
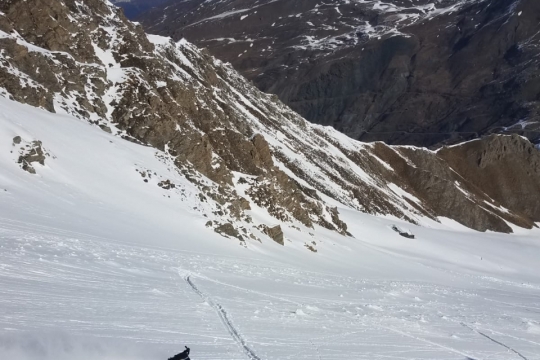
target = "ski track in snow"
x: 376, y: 319
x: 495, y: 341
x: 225, y: 319
x: 248, y: 290
x: 452, y: 350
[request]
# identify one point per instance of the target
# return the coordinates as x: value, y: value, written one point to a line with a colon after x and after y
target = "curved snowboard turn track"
x: 224, y: 317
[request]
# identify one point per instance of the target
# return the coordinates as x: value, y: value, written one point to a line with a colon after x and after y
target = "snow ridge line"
x: 495, y: 341
x: 225, y: 319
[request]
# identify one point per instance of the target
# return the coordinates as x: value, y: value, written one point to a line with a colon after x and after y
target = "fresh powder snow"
x: 96, y: 263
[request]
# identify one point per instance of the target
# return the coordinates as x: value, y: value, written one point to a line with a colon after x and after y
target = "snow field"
x: 95, y: 263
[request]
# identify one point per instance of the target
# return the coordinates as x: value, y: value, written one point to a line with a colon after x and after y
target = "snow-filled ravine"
x: 96, y: 263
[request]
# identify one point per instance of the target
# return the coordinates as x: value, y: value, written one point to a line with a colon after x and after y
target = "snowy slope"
x: 95, y: 263
x: 138, y: 147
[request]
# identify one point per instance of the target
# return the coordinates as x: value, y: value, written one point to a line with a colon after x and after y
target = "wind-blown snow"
x: 95, y: 263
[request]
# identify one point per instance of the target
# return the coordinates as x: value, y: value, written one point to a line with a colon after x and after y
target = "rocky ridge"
x: 242, y: 148
x: 133, y: 8
x: 405, y: 72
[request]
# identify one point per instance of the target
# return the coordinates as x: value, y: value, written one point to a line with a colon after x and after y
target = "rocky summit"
x: 405, y: 72
x: 244, y: 149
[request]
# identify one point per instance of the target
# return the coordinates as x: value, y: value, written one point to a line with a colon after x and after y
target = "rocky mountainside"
x: 133, y: 8
x: 405, y: 72
x: 244, y: 150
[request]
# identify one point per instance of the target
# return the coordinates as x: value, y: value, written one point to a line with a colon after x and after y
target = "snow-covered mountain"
x: 244, y: 149
x: 132, y: 167
x: 419, y: 72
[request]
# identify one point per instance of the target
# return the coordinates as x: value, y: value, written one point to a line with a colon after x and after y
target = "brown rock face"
x: 506, y: 169
x: 228, y: 230
x: 409, y: 72
x: 496, y: 173
x: 275, y: 233
x: 239, y: 147
x: 262, y: 155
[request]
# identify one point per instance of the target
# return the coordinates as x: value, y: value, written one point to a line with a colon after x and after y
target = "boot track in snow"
x: 225, y: 319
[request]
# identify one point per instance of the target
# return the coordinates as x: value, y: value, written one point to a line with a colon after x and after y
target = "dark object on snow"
x: 406, y: 234
x: 184, y: 355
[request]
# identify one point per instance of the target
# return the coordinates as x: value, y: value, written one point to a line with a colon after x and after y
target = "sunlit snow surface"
x: 97, y: 264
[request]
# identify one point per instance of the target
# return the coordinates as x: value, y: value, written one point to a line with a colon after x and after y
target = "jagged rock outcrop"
x: 228, y: 229
x: 30, y: 152
x: 275, y: 233
x: 243, y: 149
x: 422, y: 73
